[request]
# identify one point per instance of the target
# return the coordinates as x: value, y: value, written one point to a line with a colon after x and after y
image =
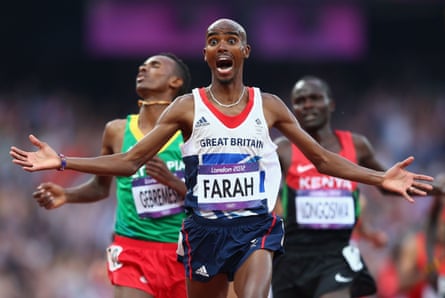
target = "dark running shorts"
x: 309, y: 276
x: 209, y: 247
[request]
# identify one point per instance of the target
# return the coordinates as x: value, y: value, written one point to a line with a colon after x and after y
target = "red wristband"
x: 62, y: 162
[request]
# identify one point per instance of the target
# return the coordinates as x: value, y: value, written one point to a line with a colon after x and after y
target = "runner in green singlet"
x: 142, y: 258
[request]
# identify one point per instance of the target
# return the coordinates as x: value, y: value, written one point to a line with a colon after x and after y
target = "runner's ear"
x: 246, y: 51
x: 176, y: 82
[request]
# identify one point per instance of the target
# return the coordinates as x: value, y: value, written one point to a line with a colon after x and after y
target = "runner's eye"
x: 212, y: 42
x: 232, y: 41
x: 297, y: 102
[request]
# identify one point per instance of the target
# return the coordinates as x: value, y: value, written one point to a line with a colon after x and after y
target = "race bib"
x: 325, y: 209
x: 153, y: 199
x: 229, y: 186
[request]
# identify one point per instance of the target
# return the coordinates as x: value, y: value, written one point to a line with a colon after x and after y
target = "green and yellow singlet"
x: 147, y: 209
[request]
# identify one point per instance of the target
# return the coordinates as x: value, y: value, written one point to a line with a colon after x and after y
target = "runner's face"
x: 155, y: 74
x: 311, y: 105
x: 225, y: 49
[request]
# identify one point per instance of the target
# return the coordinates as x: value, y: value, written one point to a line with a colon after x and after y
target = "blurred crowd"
x: 61, y: 253
x: 58, y: 253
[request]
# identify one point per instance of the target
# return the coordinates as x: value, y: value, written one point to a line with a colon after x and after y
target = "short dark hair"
x: 322, y: 82
x: 182, y: 71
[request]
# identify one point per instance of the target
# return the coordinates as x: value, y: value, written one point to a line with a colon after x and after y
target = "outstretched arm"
x: 51, y: 195
x: 118, y: 164
x: 396, y: 179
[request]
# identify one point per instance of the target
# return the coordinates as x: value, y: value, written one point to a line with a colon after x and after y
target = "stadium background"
x: 67, y: 67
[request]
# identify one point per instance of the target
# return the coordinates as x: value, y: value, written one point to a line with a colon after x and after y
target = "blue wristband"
x: 62, y: 162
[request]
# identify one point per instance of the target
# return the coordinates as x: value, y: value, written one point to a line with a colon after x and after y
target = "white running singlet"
x: 232, y: 167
